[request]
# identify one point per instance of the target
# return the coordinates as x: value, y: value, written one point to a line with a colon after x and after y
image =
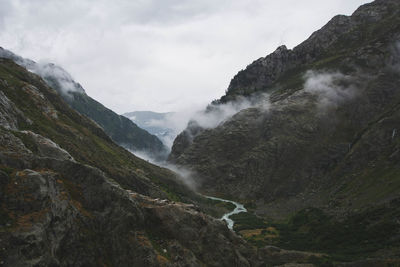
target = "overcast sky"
x: 160, y: 55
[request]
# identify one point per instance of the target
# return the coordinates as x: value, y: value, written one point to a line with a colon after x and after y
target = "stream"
x: 238, y: 209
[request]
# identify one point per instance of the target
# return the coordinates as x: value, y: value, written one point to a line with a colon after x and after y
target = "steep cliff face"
x: 123, y: 131
x: 330, y: 136
x: 325, y: 94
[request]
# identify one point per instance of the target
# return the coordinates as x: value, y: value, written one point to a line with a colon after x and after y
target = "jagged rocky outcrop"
x: 328, y: 139
x: 59, y: 212
x: 262, y: 73
x: 123, y: 131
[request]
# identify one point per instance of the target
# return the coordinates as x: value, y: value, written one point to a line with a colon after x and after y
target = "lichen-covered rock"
x: 9, y: 113
x: 47, y: 148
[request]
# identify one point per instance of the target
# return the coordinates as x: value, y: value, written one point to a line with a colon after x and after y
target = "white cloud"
x: 332, y: 88
x: 158, y: 55
x: 185, y: 175
x: 174, y: 123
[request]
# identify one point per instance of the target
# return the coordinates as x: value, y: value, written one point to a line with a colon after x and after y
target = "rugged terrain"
x: 123, y: 131
x: 317, y: 166
x: 320, y: 163
x: 70, y: 196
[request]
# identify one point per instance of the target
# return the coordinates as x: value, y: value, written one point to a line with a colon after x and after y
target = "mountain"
x: 70, y: 196
x: 155, y: 123
x: 123, y: 131
x: 317, y: 163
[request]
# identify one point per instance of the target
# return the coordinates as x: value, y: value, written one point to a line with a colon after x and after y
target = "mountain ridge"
x: 122, y: 131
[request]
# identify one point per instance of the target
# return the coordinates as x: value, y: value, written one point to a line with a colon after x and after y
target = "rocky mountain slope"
x: 69, y: 196
x: 123, y: 131
x: 324, y: 155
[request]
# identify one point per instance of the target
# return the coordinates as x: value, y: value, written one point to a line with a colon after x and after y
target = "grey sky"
x: 160, y: 55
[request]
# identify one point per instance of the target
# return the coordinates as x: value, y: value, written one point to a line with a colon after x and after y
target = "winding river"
x: 238, y: 209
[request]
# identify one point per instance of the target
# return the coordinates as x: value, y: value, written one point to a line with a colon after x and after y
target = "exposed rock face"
x: 316, y: 119
x: 64, y: 213
x: 262, y: 73
x: 47, y: 148
x: 328, y: 140
x: 9, y: 113
x: 185, y: 139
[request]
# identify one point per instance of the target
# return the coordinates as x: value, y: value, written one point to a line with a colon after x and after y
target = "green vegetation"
x: 246, y: 220
x: 353, y: 238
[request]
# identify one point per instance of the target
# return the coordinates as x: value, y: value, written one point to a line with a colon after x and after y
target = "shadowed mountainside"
x: 326, y: 151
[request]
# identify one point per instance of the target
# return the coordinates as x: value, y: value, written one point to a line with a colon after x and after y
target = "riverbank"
x: 226, y: 217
